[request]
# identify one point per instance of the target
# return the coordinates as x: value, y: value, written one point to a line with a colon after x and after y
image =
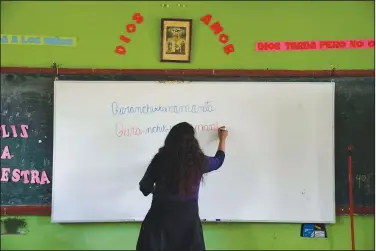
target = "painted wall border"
x: 45, y: 210
x: 195, y: 72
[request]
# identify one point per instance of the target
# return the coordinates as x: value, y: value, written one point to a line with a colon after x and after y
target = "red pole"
x: 349, y: 167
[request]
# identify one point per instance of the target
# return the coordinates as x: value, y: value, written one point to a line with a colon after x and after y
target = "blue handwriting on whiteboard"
x: 118, y: 109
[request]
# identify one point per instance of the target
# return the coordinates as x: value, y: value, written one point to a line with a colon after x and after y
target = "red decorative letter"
x: 124, y: 39
x: 223, y: 38
x: 131, y: 28
x: 138, y: 18
x: 229, y: 48
x: 356, y: 43
x: 371, y: 43
x: 120, y: 50
x: 265, y: 46
x: 206, y: 19
x: 216, y: 28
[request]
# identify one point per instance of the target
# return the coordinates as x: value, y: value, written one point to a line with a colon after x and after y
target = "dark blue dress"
x: 173, y: 222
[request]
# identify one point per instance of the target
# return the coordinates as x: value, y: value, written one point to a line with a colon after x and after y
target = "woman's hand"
x: 222, y: 133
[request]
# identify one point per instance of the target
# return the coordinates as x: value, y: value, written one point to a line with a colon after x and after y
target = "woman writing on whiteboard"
x: 173, y: 177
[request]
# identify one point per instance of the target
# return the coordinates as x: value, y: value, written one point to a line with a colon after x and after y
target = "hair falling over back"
x: 182, y: 159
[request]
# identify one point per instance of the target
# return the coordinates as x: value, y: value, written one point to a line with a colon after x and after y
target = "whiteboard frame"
x: 332, y: 83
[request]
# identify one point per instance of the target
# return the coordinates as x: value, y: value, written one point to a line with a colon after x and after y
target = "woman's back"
x: 173, y: 177
x: 154, y: 182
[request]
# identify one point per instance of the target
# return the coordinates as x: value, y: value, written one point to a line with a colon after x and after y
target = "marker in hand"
x: 222, y: 135
x: 222, y: 132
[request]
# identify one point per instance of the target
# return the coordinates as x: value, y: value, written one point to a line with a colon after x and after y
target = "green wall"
x: 44, y: 235
x: 97, y: 25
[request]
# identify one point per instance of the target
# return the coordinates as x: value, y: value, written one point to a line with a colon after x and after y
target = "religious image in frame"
x: 176, y: 40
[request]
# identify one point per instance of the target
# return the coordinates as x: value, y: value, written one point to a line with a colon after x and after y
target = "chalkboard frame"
x: 181, y: 75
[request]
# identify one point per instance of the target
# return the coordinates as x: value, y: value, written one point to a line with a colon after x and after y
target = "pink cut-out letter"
x: 16, y: 175
x: 25, y: 175
x: 6, y: 154
x: 34, y: 177
x: 4, y: 174
x: 24, y: 133
x: 44, y: 179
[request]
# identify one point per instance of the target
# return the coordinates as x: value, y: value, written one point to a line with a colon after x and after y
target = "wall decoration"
x: 313, y: 230
x: 316, y: 45
x: 176, y: 35
x: 13, y: 225
x: 38, y: 40
x: 217, y: 28
x: 130, y: 28
x: 29, y: 176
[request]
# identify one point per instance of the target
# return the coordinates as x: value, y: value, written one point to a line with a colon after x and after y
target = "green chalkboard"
x: 355, y: 125
x: 28, y: 99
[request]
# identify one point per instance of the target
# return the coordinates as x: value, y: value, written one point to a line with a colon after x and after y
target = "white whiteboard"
x: 279, y: 163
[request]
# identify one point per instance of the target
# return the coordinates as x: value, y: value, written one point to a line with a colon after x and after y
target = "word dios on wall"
x: 16, y: 175
x: 217, y: 28
x: 130, y: 28
x: 315, y: 45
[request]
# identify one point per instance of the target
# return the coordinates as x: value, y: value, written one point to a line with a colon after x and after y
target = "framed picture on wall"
x: 176, y: 37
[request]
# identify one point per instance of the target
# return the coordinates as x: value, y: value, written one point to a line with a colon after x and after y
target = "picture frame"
x: 176, y: 37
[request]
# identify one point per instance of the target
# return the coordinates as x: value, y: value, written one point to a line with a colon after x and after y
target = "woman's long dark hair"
x: 182, y: 161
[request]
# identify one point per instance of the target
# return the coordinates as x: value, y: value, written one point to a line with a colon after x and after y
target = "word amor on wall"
x: 17, y: 175
x: 217, y: 29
